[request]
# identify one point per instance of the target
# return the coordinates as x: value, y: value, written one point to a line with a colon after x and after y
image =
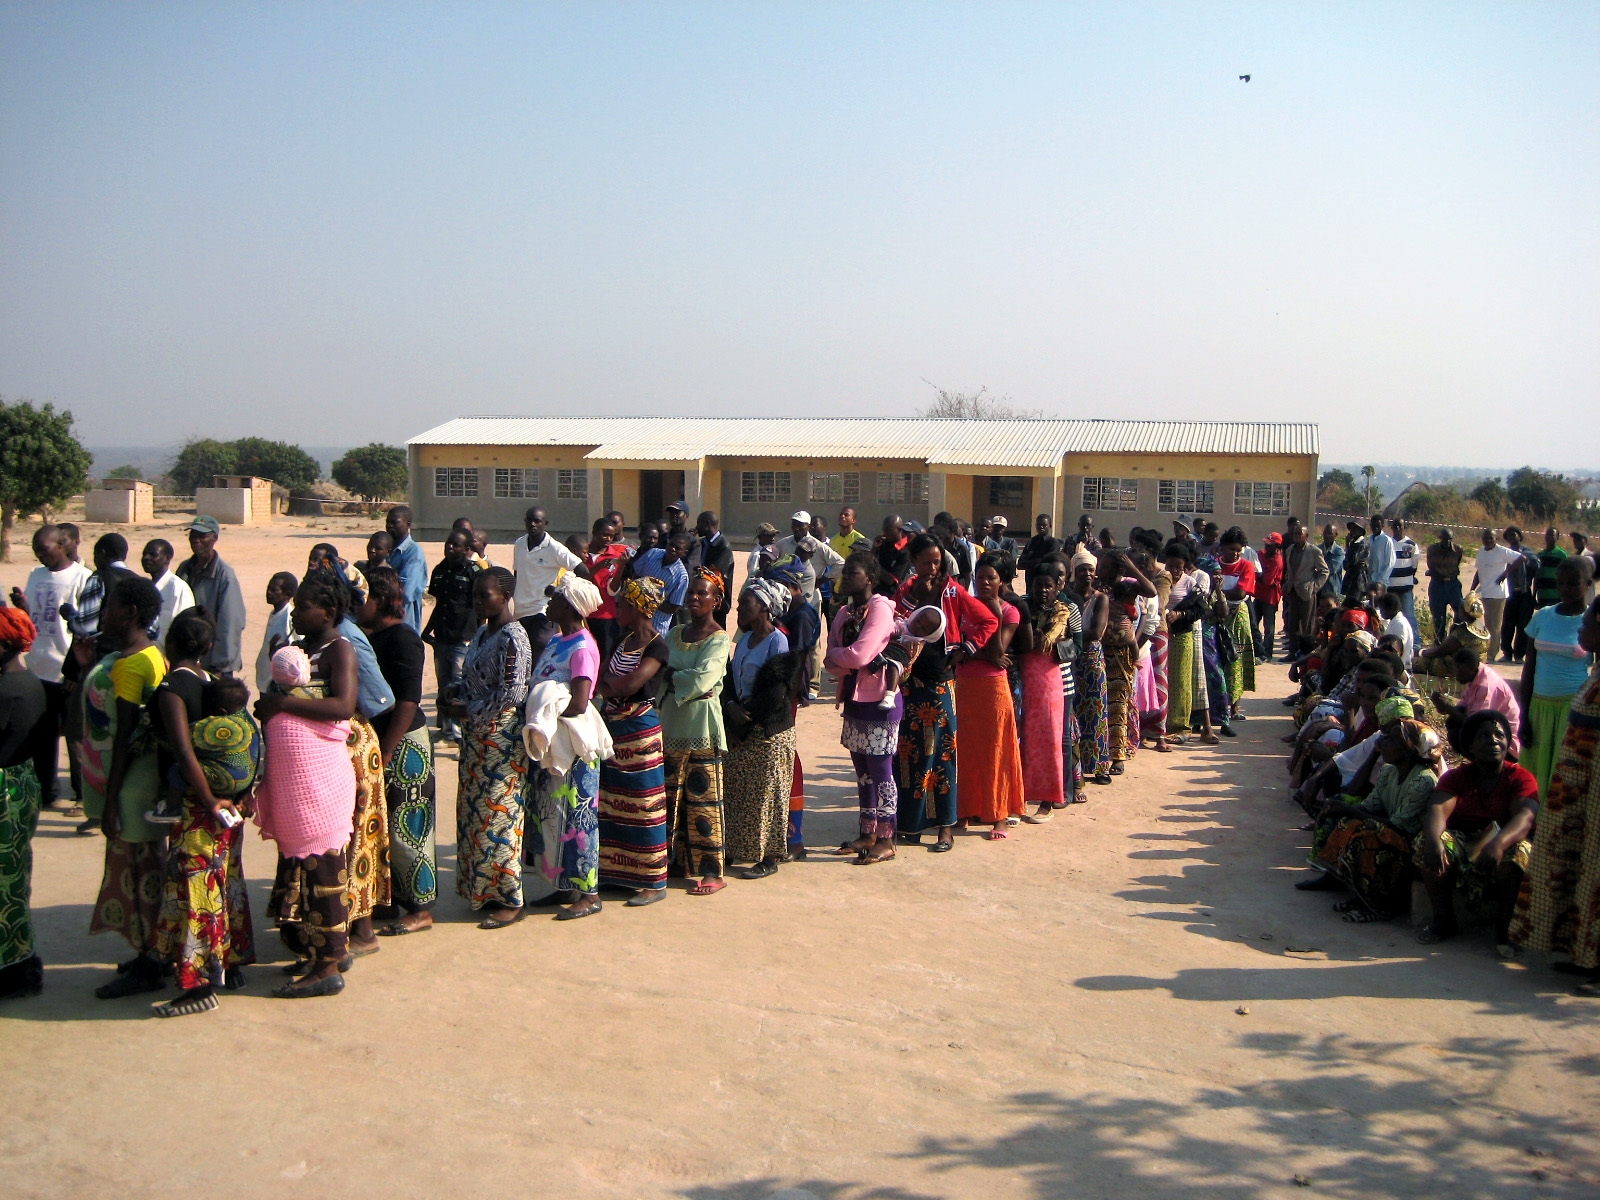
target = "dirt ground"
x: 1130, y: 1001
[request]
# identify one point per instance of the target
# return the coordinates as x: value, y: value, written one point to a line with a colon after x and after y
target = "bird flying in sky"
x: 1246, y: 78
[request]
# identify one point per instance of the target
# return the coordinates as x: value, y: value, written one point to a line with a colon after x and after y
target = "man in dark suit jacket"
x: 1304, y: 573
x: 711, y: 550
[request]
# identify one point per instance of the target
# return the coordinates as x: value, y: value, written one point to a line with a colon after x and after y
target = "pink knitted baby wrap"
x: 307, y: 799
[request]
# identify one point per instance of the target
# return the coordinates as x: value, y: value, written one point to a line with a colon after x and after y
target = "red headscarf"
x: 1359, y: 617
x: 16, y: 631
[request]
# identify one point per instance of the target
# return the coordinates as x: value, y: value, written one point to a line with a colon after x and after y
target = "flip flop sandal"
x: 1103, y: 780
x: 566, y: 914
x: 646, y: 898
x: 362, y: 951
x: 1080, y: 797
x: 867, y: 860
x: 1117, y: 768
x: 1036, y: 818
x: 1161, y: 747
x: 400, y: 929
x: 759, y: 871
x: 184, y: 1008
x: 491, y: 923
x: 997, y: 835
x: 331, y: 986
x: 1362, y: 916
x: 700, y: 889
x: 847, y: 848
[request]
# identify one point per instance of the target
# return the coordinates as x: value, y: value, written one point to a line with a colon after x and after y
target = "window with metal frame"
x: 1008, y: 491
x: 1108, y: 493
x: 516, y: 483
x: 765, y: 487
x: 902, y: 487
x: 1186, y: 496
x: 1260, y: 499
x: 456, y: 482
x: 836, y: 487
x: 572, y: 483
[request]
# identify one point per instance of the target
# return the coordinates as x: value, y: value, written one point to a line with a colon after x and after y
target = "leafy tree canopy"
x: 126, y: 471
x: 41, y: 462
x: 286, y: 465
x: 375, y: 471
x: 200, y: 459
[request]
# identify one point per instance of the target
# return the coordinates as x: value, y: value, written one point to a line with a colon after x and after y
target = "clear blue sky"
x: 337, y: 223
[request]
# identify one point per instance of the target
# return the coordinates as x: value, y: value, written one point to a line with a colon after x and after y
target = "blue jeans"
x: 447, y: 660
x: 1444, y: 597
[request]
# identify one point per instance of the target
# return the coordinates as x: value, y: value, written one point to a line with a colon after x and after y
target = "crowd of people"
x: 1421, y: 764
x: 624, y: 715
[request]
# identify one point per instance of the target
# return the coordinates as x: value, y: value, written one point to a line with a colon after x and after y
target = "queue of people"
x: 623, y: 717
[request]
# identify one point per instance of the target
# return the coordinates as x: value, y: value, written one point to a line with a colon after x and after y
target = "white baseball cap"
x: 998, y: 521
x: 802, y: 516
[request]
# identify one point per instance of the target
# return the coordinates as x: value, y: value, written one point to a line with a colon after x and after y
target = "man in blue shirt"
x: 1380, y: 554
x: 408, y: 563
x: 666, y: 564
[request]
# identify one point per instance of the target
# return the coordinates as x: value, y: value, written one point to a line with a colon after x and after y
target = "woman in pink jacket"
x: 861, y: 631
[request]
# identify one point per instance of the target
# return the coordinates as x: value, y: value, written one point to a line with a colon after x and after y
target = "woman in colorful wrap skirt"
x: 22, y: 707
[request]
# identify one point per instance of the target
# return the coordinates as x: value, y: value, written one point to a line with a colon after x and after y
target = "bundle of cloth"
x: 307, y: 798
x: 556, y: 742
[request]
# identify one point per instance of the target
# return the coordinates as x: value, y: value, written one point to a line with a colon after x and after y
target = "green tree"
x: 1336, y: 478
x: 1373, y: 496
x: 198, y: 460
x: 41, y: 463
x: 1491, y: 493
x: 126, y: 471
x: 374, y: 472
x: 286, y: 465
x: 1540, y: 493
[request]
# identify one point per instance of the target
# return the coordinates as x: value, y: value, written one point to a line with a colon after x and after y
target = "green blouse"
x: 691, y: 708
x: 1401, y: 802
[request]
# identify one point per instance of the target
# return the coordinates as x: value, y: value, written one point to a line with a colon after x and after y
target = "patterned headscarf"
x: 1422, y: 740
x: 16, y: 631
x: 787, y: 573
x: 714, y: 578
x: 1393, y: 708
x: 1472, y: 605
x: 1363, y: 639
x: 772, y: 596
x: 1359, y: 617
x: 645, y: 593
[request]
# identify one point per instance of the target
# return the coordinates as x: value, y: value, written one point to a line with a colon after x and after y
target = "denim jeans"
x: 1444, y: 598
x: 447, y: 660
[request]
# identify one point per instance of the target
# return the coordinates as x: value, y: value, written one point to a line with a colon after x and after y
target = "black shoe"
x: 1226, y: 730
x: 1320, y: 882
x: 330, y: 986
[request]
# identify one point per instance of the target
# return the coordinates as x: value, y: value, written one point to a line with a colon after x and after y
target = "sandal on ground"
x: 361, y: 949
x: 184, y: 1008
x: 847, y: 848
x: 1118, y: 768
x: 1161, y: 747
x: 704, y: 888
x: 491, y: 923
x: 400, y: 929
x: 867, y: 858
x: 1080, y: 797
x: 1102, y: 778
x: 1209, y: 739
x: 233, y: 979
x: 941, y: 847
x: 646, y: 897
x: 330, y: 986
x: 997, y: 835
x: 760, y: 871
x: 1430, y: 934
x: 797, y: 852
x: 568, y: 914
x: 1363, y: 916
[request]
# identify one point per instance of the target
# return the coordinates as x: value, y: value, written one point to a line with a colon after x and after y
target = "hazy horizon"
x: 276, y: 220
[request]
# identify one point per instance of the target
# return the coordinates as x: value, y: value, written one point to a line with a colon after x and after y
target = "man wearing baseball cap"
x: 216, y: 589
x: 677, y: 519
x: 999, y: 538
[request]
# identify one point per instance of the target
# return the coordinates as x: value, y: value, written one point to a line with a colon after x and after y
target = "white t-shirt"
x: 1489, y: 566
x: 175, y: 597
x: 536, y: 570
x: 47, y: 591
x: 1401, y: 628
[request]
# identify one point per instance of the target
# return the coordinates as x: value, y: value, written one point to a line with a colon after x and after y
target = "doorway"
x: 657, y: 489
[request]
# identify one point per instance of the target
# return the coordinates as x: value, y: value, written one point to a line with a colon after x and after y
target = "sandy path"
x: 1052, y: 1016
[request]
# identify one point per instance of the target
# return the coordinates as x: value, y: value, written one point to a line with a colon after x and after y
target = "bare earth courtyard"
x: 1130, y: 1001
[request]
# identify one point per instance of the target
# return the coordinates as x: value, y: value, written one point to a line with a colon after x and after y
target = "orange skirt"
x: 988, y: 760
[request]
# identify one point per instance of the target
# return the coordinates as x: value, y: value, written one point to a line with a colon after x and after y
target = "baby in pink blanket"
x: 307, y: 799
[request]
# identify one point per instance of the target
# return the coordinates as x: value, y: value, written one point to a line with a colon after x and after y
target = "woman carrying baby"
x: 204, y: 929
x: 307, y: 802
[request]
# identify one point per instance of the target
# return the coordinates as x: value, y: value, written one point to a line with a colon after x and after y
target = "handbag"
x: 1192, y: 608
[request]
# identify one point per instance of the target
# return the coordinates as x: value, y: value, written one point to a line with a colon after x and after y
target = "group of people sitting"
x: 1431, y: 768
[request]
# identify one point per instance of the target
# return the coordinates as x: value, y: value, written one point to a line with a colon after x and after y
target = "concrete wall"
x: 1222, y: 471
x: 230, y: 506
x: 121, y: 505
x: 432, y: 514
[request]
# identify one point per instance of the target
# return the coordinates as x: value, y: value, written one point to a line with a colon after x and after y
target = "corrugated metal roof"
x: 940, y: 442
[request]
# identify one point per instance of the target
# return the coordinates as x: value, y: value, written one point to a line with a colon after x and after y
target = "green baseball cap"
x: 205, y: 525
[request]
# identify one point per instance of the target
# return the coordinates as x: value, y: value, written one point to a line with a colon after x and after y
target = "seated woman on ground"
x: 1366, y: 844
x: 1354, y: 726
x: 1467, y: 632
x: 1475, y: 840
